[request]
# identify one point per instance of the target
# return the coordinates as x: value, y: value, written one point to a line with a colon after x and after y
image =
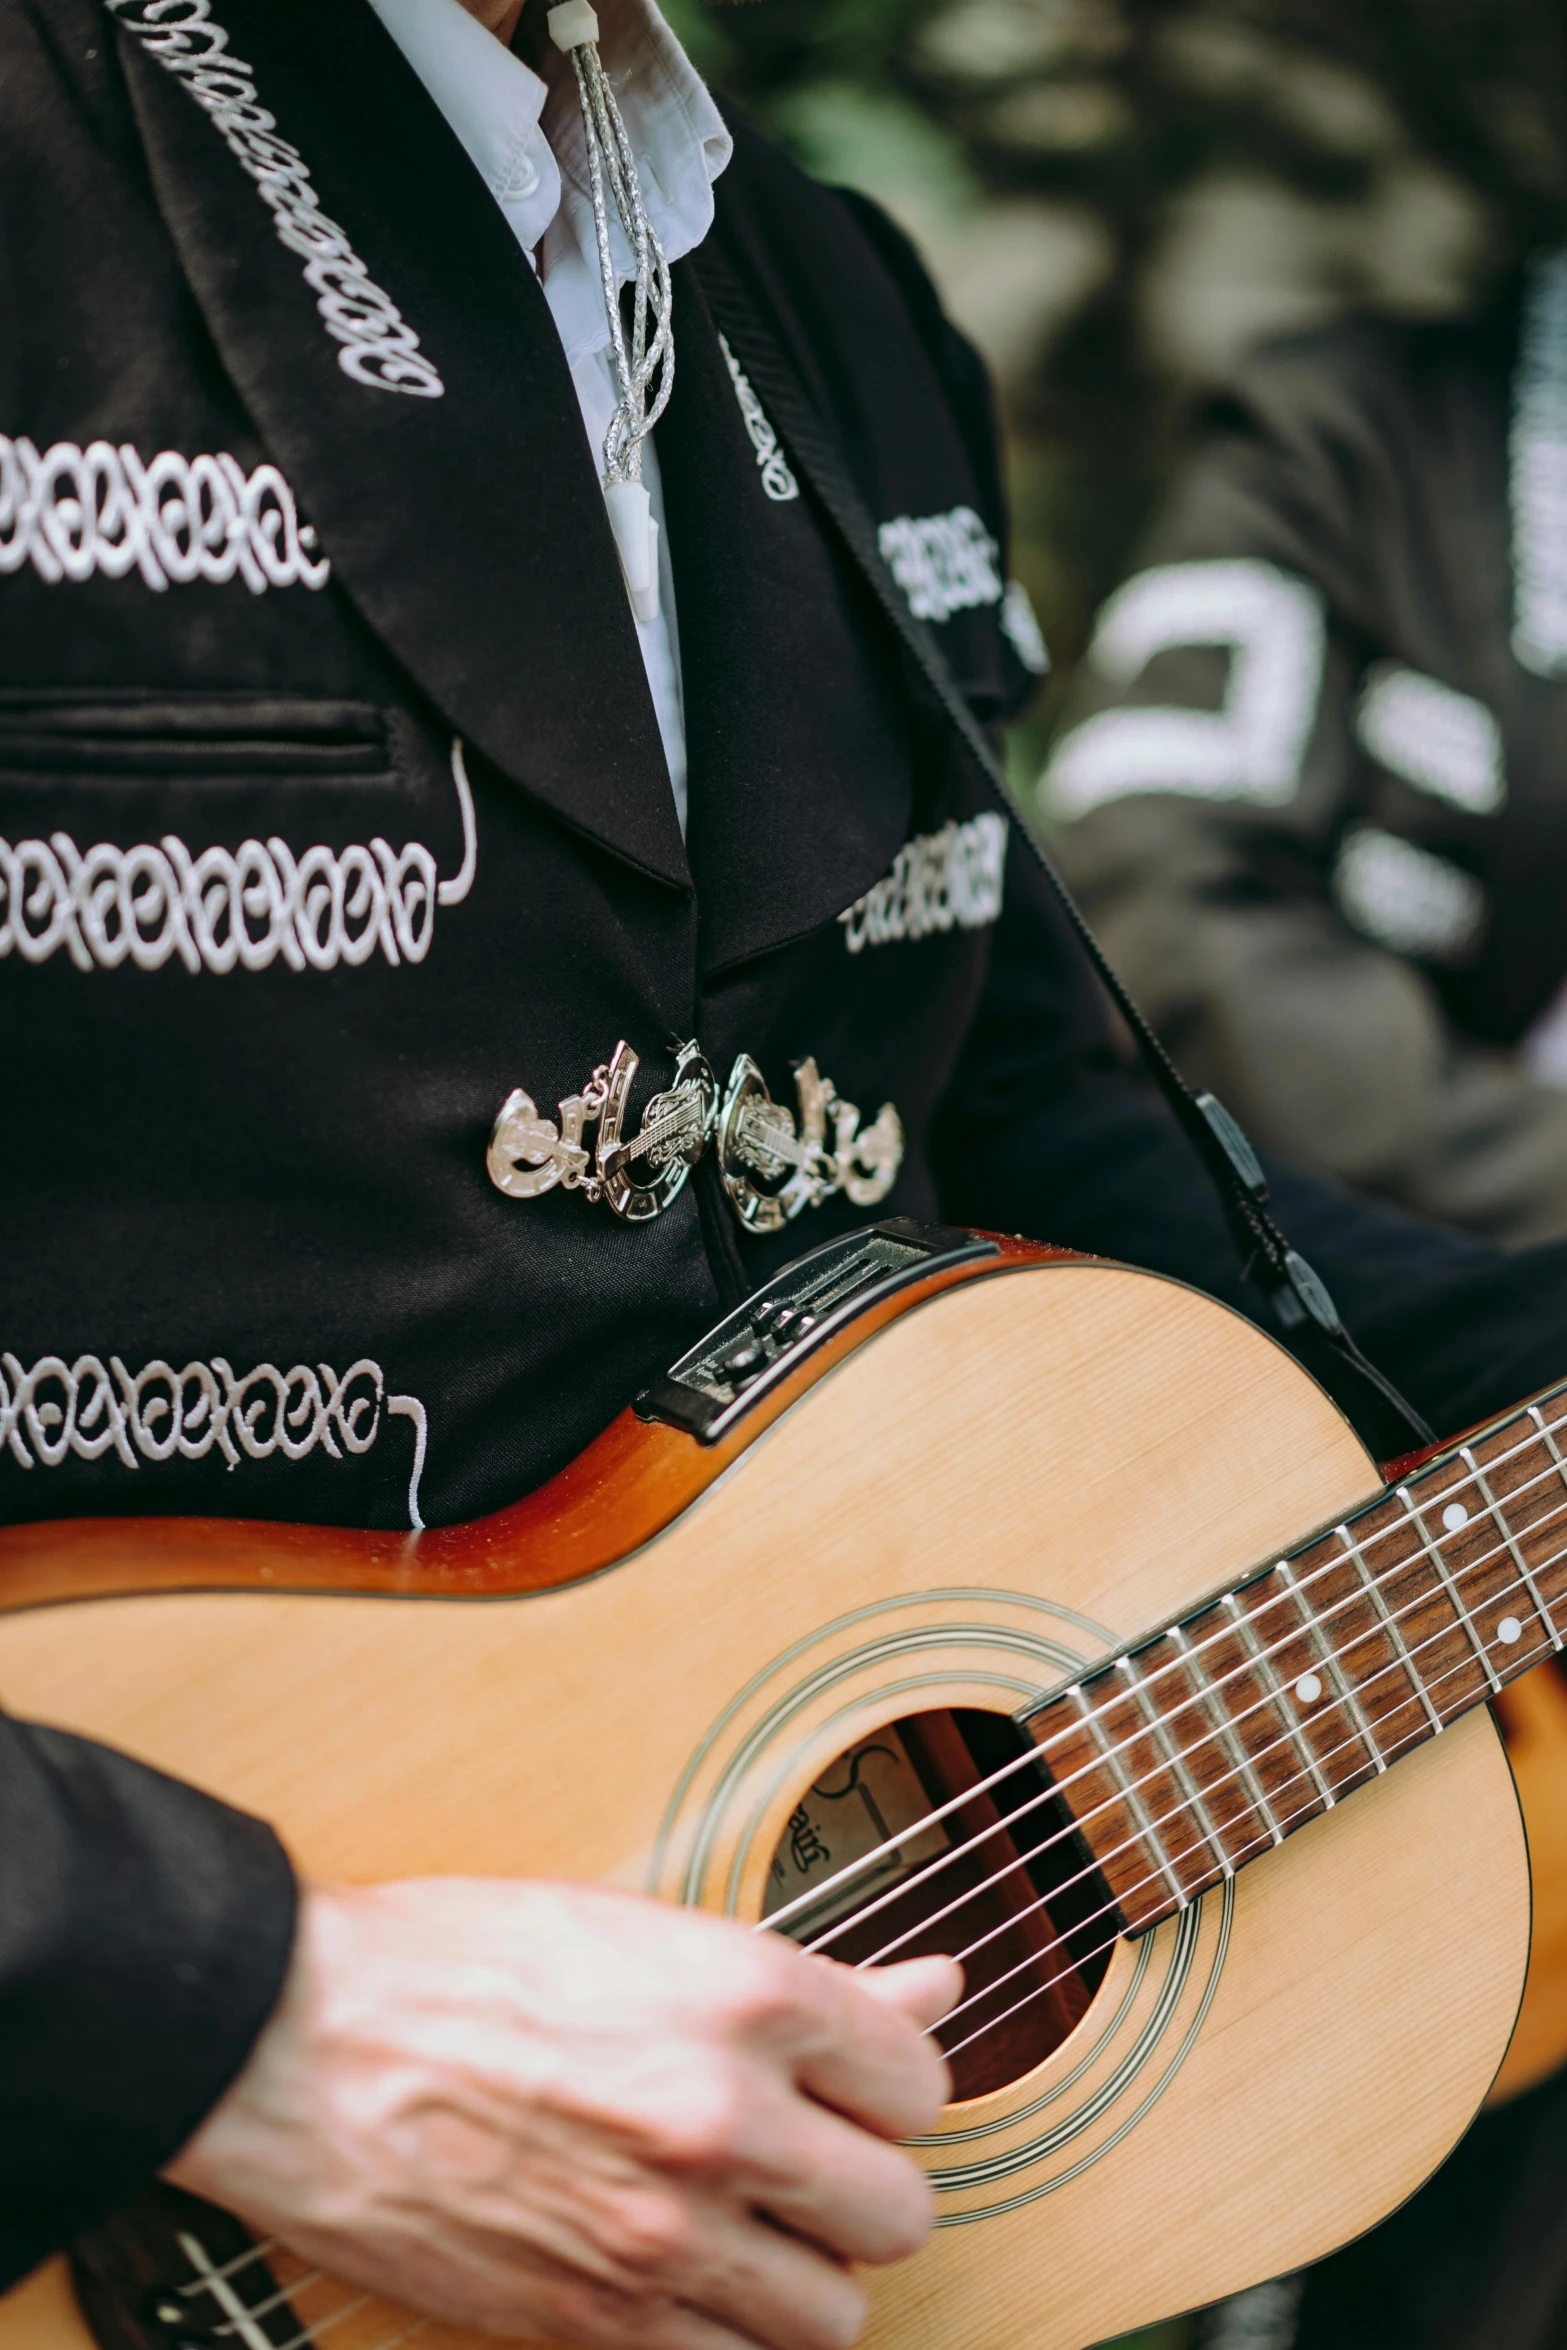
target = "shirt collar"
x: 520, y: 119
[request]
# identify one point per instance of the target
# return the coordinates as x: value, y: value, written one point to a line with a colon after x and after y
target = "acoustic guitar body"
x: 995, y: 1478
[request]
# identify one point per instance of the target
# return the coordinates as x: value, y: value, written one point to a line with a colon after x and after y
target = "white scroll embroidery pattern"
x: 1273, y: 628
x: 225, y: 909
x: 1537, y: 467
x: 777, y: 478
x: 380, y: 349
x: 944, y: 563
x: 1443, y: 742
x: 90, y: 1407
x: 1406, y: 898
x: 71, y: 512
x: 946, y: 880
x: 1020, y: 626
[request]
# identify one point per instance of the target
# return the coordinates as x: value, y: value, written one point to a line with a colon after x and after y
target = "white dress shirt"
x: 521, y: 123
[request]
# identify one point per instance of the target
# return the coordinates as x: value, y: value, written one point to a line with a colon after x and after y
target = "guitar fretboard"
x: 1208, y: 1743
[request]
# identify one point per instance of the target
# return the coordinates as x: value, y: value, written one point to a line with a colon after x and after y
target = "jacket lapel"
x: 800, y: 755
x: 447, y: 474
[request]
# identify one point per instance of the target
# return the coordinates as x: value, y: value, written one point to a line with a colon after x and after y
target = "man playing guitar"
x: 424, y: 785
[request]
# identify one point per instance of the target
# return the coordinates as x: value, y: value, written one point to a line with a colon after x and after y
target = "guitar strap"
x: 1297, y: 1298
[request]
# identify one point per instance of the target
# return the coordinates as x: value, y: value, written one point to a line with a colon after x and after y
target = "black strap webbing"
x: 1299, y: 1301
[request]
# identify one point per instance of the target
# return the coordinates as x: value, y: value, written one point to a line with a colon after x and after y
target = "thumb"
x: 923, y: 1989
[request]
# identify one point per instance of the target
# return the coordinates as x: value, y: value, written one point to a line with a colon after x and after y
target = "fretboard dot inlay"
x: 1195, y: 1750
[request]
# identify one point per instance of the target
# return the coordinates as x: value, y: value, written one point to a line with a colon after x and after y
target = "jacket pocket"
x: 106, y: 735
x: 224, y: 832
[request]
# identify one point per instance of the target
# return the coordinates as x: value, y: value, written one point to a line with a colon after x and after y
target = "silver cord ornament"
x: 644, y: 364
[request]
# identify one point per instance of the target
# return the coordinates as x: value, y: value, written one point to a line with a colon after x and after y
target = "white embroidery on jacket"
x: 1020, y: 626
x: 380, y: 348
x: 1537, y: 473
x: 71, y: 512
x: 1406, y: 898
x: 225, y: 909
x: 777, y: 479
x: 944, y: 563
x: 1271, y: 625
x: 1436, y: 738
x: 91, y: 1407
x: 946, y: 880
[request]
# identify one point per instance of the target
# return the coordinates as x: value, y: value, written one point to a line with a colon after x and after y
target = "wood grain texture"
x: 1027, y: 1470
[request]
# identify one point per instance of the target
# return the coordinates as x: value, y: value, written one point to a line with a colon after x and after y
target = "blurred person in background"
x: 1313, y: 784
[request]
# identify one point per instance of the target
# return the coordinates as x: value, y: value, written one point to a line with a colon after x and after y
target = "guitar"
x: 966, y: 1595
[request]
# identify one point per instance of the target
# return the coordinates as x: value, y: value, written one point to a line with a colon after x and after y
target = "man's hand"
x: 580, y: 2117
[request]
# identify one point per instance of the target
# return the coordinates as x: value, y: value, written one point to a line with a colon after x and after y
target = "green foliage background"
x: 1117, y: 195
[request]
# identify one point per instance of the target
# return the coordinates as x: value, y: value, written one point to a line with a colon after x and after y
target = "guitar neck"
x: 1204, y: 1745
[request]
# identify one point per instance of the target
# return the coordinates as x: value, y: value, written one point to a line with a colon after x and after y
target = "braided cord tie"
x: 644, y: 371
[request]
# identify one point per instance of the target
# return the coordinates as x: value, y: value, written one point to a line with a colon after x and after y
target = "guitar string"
x: 317, y: 2332
x: 314, y: 2333
x: 230, y: 2268
x: 1183, y: 1810
x: 1100, y: 1948
x: 1210, y: 1737
x: 318, y: 2328
x: 1062, y: 1941
x: 1426, y: 1548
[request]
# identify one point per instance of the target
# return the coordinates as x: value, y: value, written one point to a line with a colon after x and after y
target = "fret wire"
x: 1427, y: 1548
x: 1493, y: 1507
x: 1279, y: 1695
x: 1109, y: 1908
x: 1181, y: 1775
x: 1255, y: 1793
x: 1547, y: 1430
x: 1447, y: 1673
x: 804, y: 1902
x: 1051, y: 1981
x: 1129, y: 1796
x: 1449, y: 1586
x: 1130, y: 1843
x: 1329, y: 1657
x: 1373, y: 1591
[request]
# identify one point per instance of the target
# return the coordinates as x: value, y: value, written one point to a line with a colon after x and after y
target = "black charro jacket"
x: 272, y: 958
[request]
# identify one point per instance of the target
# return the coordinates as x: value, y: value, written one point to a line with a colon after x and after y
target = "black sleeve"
x: 1045, y: 1131
x: 144, y: 1934
x: 963, y: 374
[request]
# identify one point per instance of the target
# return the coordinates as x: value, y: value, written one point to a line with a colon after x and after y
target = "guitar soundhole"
x: 1002, y: 1882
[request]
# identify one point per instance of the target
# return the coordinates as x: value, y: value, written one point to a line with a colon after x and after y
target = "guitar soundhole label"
x: 998, y: 1880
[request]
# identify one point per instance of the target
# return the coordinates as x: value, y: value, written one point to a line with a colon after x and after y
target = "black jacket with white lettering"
x: 273, y: 953
x: 1311, y: 787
